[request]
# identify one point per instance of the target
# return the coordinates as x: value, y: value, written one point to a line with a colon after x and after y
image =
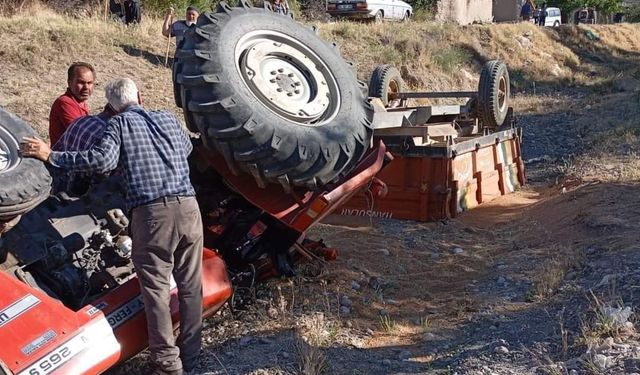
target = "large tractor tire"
x: 493, y: 94
x: 24, y: 182
x: 386, y: 80
x: 272, y: 98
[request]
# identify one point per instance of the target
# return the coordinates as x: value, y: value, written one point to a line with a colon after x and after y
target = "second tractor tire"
x: 386, y: 80
x: 493, y: 94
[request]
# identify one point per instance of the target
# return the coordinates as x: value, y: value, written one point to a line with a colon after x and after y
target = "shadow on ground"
x: 152, y: 58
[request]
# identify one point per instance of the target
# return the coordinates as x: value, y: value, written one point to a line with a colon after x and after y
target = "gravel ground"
x: 474, y: 308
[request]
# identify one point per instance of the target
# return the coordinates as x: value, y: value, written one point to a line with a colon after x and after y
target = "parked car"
x: 586, y: 15
x: 553, y: 17
x: 376, y: 10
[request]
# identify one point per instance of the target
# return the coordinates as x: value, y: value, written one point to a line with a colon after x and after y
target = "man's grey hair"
x: 121, y: 93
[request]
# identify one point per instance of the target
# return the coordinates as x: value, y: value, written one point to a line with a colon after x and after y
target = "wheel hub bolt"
x: 279, y: 89
x: 290, y: 75
x: 297, y: 83
x: 272, y: 80
x: 280, y: 70
x: 296, y: 91
x: 289, y: 94
x: 273, y: 72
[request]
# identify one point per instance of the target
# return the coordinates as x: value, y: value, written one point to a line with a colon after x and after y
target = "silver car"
x: 376, y: 10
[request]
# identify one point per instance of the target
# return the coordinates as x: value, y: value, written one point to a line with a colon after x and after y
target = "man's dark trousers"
x: 167, y: 239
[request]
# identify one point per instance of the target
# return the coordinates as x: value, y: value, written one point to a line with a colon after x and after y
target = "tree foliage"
x: 603, y: 6
x: 632, y: 13
x: 159, y: 7
x: 422, y: 4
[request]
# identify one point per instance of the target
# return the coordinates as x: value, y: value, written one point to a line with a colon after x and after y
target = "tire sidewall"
x: 381, y: 78
x: 502, y: 72
x: 234, y: 28
x: 488, y: 103
x: 29, y: 180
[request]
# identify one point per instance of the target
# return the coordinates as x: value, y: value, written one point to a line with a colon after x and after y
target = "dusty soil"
x: 448, y: 311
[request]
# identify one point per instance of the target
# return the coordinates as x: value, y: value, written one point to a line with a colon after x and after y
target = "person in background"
x: 542, y: 17
x: 280, y: 6
x: 166, y: 226
x: 73, y: 103
x: 132, y: 13
x: 178, y: 28
x: 116, y: 8
x: 526, y: 11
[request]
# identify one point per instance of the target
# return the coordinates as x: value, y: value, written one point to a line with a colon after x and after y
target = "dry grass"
x: 311, y: 360
x: 38, y: 45
x: 446, y: 56
x: 36, y: 51
x: 549, y: 276
x: 602, y: 323
x: 611, y: 157
x: 387, y: 323
x: 317, y: 329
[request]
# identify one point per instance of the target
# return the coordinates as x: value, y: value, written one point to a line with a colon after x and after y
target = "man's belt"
x: 169, y: 198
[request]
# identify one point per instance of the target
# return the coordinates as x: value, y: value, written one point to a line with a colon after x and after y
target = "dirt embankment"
x: 529, y: 283
x: 37, y: 47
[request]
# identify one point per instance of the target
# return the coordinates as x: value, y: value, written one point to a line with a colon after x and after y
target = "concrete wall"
x: 506, y: 10
x: 464, y: 12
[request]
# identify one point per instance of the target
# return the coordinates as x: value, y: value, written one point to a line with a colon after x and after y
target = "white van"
x: 553, y: 17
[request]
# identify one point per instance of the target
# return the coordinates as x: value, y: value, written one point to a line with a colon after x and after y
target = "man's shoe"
x: 159, y: 371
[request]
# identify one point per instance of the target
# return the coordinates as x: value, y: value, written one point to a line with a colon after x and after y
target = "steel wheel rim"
x: 287, y: 77
x: 502, y: 94
x: 9, y: 156
x: 393, y: 88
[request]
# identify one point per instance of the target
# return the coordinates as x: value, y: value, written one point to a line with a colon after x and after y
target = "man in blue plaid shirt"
x: 81, y: 135
x: 166, y: 227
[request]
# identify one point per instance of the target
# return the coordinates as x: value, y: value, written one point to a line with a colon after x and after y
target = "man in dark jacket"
x: 132, y: 13
x: 542, y: 17
x: 179, y: 27
x: 526, y: 11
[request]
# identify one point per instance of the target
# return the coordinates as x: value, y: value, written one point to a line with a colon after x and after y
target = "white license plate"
x: 345, y: 6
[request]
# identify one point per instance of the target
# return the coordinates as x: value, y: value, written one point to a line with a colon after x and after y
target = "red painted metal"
x: 300, y: 208
x: 431, y: 185
x: 118, y: 312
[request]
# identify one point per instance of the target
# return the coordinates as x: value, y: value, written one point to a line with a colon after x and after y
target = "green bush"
x: 428, y: 5
x: 451, y: 58
x: 632, y: 14
x: 159, y: 7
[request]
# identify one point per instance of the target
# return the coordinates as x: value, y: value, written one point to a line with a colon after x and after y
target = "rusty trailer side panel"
x: 436, y: 182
